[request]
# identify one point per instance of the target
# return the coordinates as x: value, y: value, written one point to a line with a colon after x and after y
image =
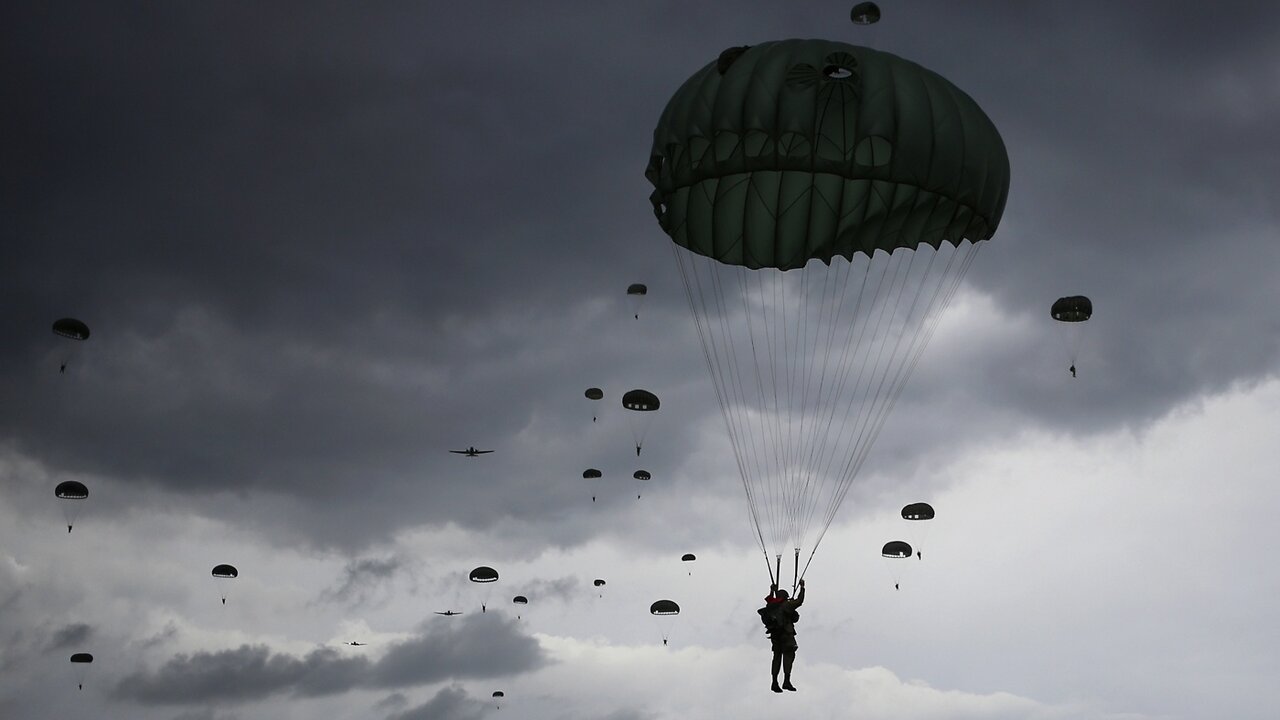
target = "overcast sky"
x: 320, y: 244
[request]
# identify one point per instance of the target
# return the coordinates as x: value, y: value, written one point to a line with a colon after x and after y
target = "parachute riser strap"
x: 795, y: 576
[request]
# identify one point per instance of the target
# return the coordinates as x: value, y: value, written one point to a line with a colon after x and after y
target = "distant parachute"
x: 688, y: 557
x: 865, y: 13
x: 643, y: 476
x: 591, y: 474
x: 664, y: 607
x: 484, y: 575
x: 892, y: 552
x: 498, y: 694
x: 643, y: 403
x: 916, y: 513
x: 225, y: 572
x: 71, y: 328
x: 664, y: 611
x: 520, y: 600
x: 82, y: 660
x: 1073, y: 310
x: 594, y: 393
x: 599, y: 584
x: 896, y: 549
x: 73, y: 491
x: 636, y: 292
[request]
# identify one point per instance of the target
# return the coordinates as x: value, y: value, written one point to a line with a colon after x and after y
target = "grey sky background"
x: 321, y: 244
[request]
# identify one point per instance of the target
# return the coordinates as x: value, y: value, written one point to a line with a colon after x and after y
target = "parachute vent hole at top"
x: 837, y: 72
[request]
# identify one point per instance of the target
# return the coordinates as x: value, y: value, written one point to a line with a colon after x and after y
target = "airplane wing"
x: 460, y: 452
x: 483, y: 452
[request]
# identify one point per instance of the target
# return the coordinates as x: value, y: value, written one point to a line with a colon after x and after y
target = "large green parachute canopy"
x: 71, y: 328
x: 82, y: 658
x: 825, y: 201
x: 1076, y: 308
x: 896, y: 549
x: 637, y: 289
x: 71, y: 490
x: 484, y: 574
x: 225, y: 571
x: 865, y: 13
x: 664, y: 607
x: 917, y: 511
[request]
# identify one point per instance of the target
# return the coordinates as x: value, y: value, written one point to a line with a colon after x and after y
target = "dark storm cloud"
x: 319, y: 247
x: 206, y: 714
x: 392, y: 702
x: 70, y: 636
x: 473, y: 648
x: 361, y: 578
x: 563, y: 589
x: 451, y: 703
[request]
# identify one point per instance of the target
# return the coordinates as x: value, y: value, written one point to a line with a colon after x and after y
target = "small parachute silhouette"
x: 636, y: 293
x: 643, y: 476
x: 225, y: 572
x: 643, y: 404
x: 664, y: 611
x: 865, y: 13
x: 71, y: 328
x: 917, y: 511
x: 81, y: 659
x: 483, y: 574
x: 892, y: 552
x: 73, y: 491
x: 896, y: 549
x: 594, y: 393
x: 1072, y: 310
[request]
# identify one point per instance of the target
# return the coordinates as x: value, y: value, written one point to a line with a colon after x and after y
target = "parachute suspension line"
x: 771, y: 346
x: 819, y: 446
x: 951, y: 279
x: 738, y: 404
x: 711, y: 357
x: 854, y: 352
